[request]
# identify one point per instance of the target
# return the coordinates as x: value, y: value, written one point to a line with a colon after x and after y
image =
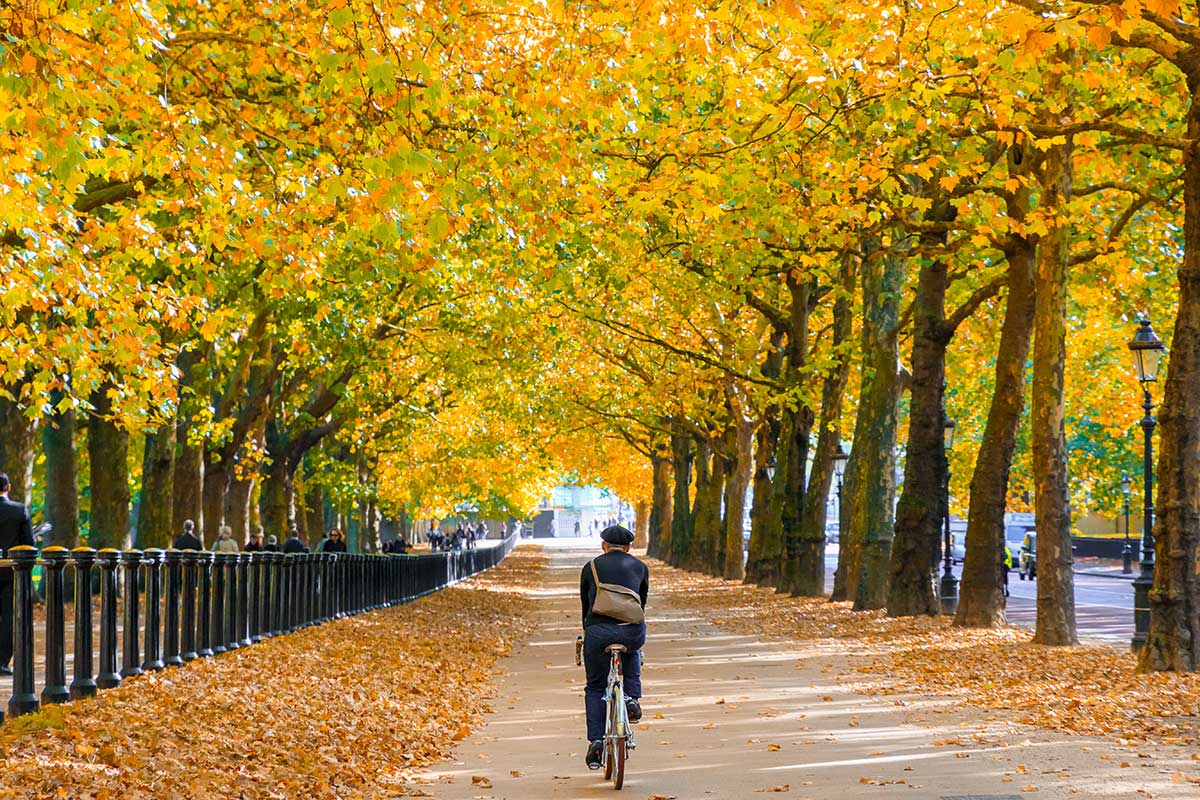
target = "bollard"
x: 243, y: 600
x: 277, y: 594
x: 230, y: 627
x: 314, y: 571
x: 172, y: 656
x: 190, y: 563
x: 24, y: 699
x: 204, y: 570
x: 254, y: 569
x: 54, y: 561
x: 216, y: 636
x: 301, y: 602
x: 83, y: 684
x: 292, y: 571
x: 152, y: 558
x: 108, y: 677
x: 130, y: 561
x: 327, y: 586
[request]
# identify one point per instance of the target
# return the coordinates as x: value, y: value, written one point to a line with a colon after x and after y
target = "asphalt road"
x: 1103, y: 605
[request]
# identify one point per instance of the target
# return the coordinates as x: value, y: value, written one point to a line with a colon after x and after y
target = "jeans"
x: 596, y: 637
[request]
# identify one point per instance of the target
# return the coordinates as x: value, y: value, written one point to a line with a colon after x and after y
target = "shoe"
x: 595, y: 754
x: 6, y: 670
x: 634, y: 707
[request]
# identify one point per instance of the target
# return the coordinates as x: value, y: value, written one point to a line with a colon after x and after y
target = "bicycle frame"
x: 618, y: 735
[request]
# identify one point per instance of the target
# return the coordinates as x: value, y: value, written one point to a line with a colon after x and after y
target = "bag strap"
x: 595, y: 577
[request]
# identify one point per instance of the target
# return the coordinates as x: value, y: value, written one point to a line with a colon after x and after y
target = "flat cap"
x: 618, y: 535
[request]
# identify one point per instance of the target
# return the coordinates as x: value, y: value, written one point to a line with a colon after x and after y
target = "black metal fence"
x: 198, y: 604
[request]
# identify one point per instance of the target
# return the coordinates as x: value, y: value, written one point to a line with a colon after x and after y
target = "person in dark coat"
x: 188, y: 540
x: 294, y: 544
x: 255, y: 544
x: 15, y: 529
x: 334, y: 542
x: 272, y: 545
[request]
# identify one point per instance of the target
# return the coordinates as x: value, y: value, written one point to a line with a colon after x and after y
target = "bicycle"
x: 618, y: 734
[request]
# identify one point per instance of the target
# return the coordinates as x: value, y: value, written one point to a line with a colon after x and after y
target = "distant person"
x: 272, y: 545
x: 255, y: 544
x: 225, y: 541
x: 1006, y: 566
x: 188, y: 540
x: 15, y: 529
x: 401, y: 545
x: 294, y: 543
x: 334, y: 542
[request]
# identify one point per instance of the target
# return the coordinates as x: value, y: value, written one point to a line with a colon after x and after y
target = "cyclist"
x: 614, y: 566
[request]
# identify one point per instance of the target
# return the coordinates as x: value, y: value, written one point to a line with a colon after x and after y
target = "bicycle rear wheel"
x: 608, y: 759
x: 618, y: 772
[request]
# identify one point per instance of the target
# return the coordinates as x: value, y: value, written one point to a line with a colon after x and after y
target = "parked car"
x: 1027, y: 558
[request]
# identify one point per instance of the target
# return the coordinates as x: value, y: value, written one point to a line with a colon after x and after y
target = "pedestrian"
x: 15, y: 529
x: 334, y: 542
x: 272, y: 545
x: 401, y: 545
x: 256, y: 543
x: 294, y: 543
x: 188, y: 540
x: 1006, y: 566
x: 225, y: 541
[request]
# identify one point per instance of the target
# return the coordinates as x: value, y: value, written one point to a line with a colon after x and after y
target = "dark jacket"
x: 294, y: 545
x: 331, y: 546
x: 271, y: 548
x: 187, y: 541
x: 615, y: 566
x: 15, y: 529
x: 251, y: 547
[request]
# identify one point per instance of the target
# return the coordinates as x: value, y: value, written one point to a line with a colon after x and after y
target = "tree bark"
x: 883, y: 279
x: 62, y: 473
x: 765, y: 527
x: 981, y: 597
x: 216, y: 483
x: 706, y: 511
x: 797, y: 421
x: 660, y: 510
x: 1055, y: 574
x: 739, y: 472
x: 187, y: 484
x: 237, y: 507
x: 912, y: 590
x: 681, y: 519
x: 108, y: 454
x: 156, y: 525
x: 1174, y: 639
x: 314, y: 510
x: 18, y: 440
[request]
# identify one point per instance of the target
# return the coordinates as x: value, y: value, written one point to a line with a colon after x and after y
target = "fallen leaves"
x: 345, y: 709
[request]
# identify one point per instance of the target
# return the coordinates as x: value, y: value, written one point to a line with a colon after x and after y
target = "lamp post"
x: 949, y: 584
x: 1147, y: 351
x: 1126, y: 550
x: 840, y: 457
x: 771, y: 467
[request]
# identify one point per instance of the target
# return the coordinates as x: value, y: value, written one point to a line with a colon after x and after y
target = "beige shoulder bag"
x: 616, y: 601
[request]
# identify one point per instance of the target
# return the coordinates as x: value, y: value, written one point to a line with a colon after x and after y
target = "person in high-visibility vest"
x: 1008, y: 562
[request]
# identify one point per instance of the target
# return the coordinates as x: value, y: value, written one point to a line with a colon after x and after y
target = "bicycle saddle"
x: 616, y: 648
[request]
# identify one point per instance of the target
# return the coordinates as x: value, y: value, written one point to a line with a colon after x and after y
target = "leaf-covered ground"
x: 342, y: 710
x: 1090, y: 689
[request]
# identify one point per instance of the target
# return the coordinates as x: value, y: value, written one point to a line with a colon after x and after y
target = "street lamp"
x: 1126, y: 550
x: 839, y: 469
x: 1147, y: 351
x: 949, y: 585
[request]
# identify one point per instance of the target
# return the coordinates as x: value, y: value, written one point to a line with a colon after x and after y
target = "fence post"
x: 130, y: 561
x: 108, y: 677
x: 243, y: 599
x: 54, y: 562
x: 152, y: 558
x: 171, y: 654
x: 275, y: 598
x: 24, y: 699
x: 253, y: 591
x: 83, y: 684
x: 231, y: 610
x: 306, y: 562
x: 204, y: 569
x: 216, y: 626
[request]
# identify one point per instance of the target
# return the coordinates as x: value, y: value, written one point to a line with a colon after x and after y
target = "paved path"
x: 726, y: 701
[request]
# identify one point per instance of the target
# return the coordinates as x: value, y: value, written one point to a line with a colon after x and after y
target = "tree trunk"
x: 272, y: 501
x: 794, y: 448
x: 659, y: 544
x: 237, y: 507
x: 733, y: 566
x: 883, y: 279
x: 314, y: 511
x: 108, y: 454
x: 765, y: 528
x: 1174, y: 639
x: 810, y: 578
x: 18, y: 440
x: 1055, y: 575
x: 62, y: 473
x: 919, y: 513
x: 216, y: 484
x: 706, y: 515
x: 641, y: 533
x: 681, y: 519
x: 981, y: 597
x: 188, y: 483
x: 156, y: 525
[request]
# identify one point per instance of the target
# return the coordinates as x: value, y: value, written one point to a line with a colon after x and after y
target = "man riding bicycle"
x: 617, y: 572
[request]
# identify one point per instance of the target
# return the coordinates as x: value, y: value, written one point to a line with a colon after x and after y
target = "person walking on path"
x: 272, y: 545
x: 15, y: 529
x: 256, y: 543
x: 615, y: 567
x: 225, y: 541
x: 294, y: 543
x: 334, y: 542
x: 188, y: 540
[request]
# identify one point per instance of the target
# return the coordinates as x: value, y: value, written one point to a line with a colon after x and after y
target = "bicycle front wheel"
x: 609, y: 758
